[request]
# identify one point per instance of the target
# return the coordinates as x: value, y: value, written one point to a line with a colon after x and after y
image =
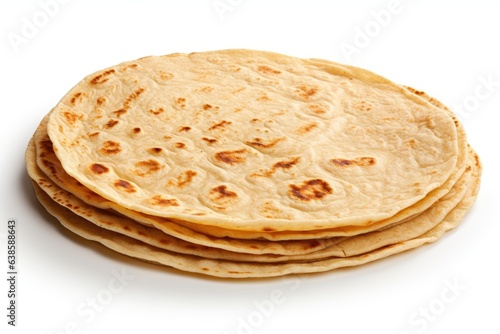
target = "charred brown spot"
x: 111, y: 123
x: 311, y: 244
x: 147, y: 167
x: 182, y: 179
x: 281, y: 164
x: 156, y: 111
x: 306, y: 92
x: 221, y: 124
x: 222, y: 196
x: 268, y: 70
x: 120, y: 112
x: 180, y: 101
x: 180, y: 145
x: 155, y: 150
x: 136, y: 130
x: 125, y: 186
x: 50, y: 165
x: 307, y: 128
x: 100, y: 101
x: 209, y: 140
x: 47, y: 145
x: 71, y: 117
x: 75, y: 98
x: 128, y: 101
x: 101, y: 78
x: 127, y: 228
x: 310, y: 190
x: 110, y: 147
x: 362, y: 161
x: 286, y: 164
x: 98, y: 169
x: 259, y: 142
x: 158, y: 200
x: 184, y: 129
x: 231, y: 157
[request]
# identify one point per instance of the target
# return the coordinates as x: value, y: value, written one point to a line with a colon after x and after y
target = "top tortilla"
x: 253, y: 141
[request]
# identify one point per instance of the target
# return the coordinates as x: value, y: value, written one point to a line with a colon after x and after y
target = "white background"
x: 446, y: 48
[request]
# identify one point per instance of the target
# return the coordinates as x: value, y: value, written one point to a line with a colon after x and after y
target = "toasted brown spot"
x: 206, y: 89
x: 141, y: 233
x: 362, y: 161
x: 156, y: 111
x: 72, y: 117
x: 222, y: 196
x: 128, y: 101
x: 268, y: 229
x: 127, y: 228
x: 50, y: 165
x: 166, y: 75
x: 182, y: 179
x: 111, y: 123
x: 268, y: 70
x: 231, y: 157
x: 100, y: 100
x: 307, y: 128
x: 180, y: 145
x: 306, y: 92
x: 311, y: 244
x: 221, y: 124
x: 110, y: 147
x: 93, y: 134
x: 209, y: 140
x: 101, y: 78
x: 47, y: 145
x: 125, y: 186
x: 75, y: 98
x: 180, y: 101
x: 98, y: 169
x: 317, y: 109
x: 158, y: 200
x: 120, y: 112
x: 155, y: 150
x: 147, y: 167
x: 363, y: 106
x: 286, y: 164
x: 184, y: 129
x: 259, y: 142
x: 281, y: 164
x: 207, y: 107
x: 136, y: 130
x: 310, y: 190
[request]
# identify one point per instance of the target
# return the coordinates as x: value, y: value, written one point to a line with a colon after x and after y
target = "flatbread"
x: 230, y: 139
x: 220, y: 268
x: 356, y: 245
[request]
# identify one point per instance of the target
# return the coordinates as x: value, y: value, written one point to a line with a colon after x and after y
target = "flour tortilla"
x: 230, y: 139
x: 347, y: 247
x: 230, y: 269
x: 48, y: 162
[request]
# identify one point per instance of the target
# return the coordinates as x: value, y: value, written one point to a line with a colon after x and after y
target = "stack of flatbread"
x: 240, y: 163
